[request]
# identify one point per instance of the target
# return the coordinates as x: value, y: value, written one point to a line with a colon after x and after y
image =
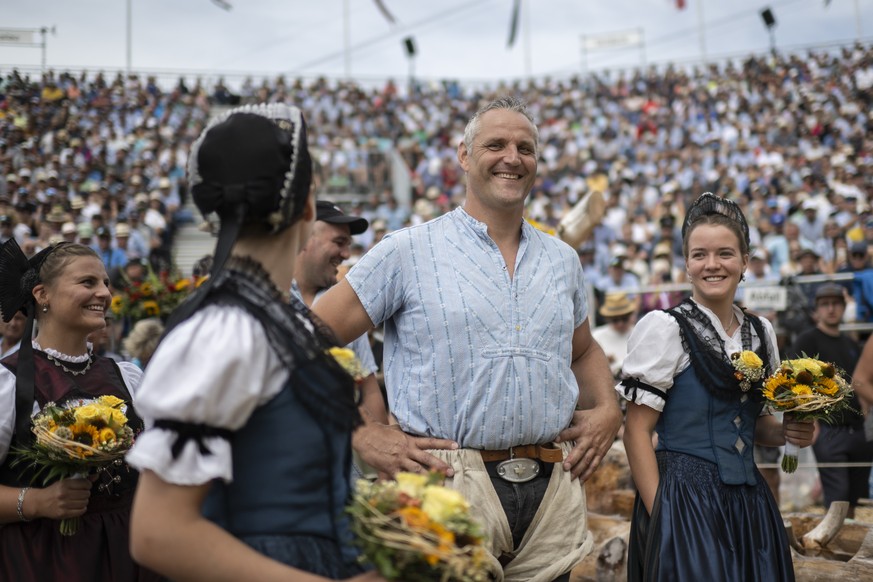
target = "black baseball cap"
x: 830, y: 290
x: 333, y: 214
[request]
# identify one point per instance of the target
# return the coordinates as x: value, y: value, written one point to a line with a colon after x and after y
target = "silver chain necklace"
x: 58, y: 363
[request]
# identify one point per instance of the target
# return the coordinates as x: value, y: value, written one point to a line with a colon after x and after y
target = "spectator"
x: 13, y: 331
x: 619, y: 312
x: 841, y: 439
x: 112, y: 257
x: 617, y: 277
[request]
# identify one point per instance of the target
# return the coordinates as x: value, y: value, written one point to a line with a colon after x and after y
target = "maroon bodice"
x: 53, y: 384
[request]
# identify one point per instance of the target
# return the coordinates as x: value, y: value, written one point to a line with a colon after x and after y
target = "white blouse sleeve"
x: 7, y: 410
x: 214, y: 369
x: 132, y: 376
x: 654, y: 357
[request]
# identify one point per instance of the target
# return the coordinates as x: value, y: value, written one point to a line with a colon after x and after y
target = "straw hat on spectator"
x: 122, y: 230
x: 68, y: 228
x: 617, y: 305
x: 57, y: 214
x: 662, y: 249
x: 77, y: 203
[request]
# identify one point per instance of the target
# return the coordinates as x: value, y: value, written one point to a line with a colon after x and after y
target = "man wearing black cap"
x: 316, y: 271
x: 841, y: 441
x: 326, y: 249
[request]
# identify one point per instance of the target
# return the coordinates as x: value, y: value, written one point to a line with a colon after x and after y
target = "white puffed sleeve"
x: 213, y: 370
x: 132, y: 376
x: 654, y: 357
x: 7, y: 410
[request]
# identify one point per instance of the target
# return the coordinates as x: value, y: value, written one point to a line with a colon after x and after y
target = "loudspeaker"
x: 409, y: 43
x: 769, y: 19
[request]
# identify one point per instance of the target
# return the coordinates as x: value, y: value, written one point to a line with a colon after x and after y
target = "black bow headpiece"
x: 18, y: 276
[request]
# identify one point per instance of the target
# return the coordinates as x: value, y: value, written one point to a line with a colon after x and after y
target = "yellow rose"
x: 441, y: 503
x: 411, y: 484
x: 808, y: 364
x: 109, y: 400
x: 107, y: 436
x: 751, y: 359
x: 116, y: 418
x: 89, y: 414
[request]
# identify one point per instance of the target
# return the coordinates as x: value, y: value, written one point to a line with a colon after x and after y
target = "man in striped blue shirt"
x: 490, y: 367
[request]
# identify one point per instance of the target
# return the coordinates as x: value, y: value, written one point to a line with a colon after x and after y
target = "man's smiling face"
x: 502, y: 164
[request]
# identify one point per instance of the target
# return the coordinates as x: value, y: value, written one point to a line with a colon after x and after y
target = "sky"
x: 454, y: 39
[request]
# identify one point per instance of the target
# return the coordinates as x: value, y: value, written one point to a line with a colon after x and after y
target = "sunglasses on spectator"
x: 620, y: 319
x: 859, y: 255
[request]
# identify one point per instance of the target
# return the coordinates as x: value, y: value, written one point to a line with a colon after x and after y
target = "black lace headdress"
x: 249, y: 166
x: 708, y: 204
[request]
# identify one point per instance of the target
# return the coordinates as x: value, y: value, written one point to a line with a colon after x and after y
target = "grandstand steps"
x: 191, y: 243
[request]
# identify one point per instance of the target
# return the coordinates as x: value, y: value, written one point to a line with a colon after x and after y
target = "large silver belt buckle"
x: 518, y: 470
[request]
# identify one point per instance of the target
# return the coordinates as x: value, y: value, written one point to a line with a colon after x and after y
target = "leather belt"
x: 547, y: 453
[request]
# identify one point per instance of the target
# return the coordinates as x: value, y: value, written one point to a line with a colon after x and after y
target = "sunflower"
x: 181, y: 284
x: 151, y: 308
x: 117, y: 304
x: 802, y: 390
x: 147, y: 289
x: 827, y: 386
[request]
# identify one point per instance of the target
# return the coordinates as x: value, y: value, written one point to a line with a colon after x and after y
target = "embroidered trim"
x: 81, y: 359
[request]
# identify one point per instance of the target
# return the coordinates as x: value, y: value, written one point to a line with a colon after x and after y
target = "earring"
x: 743, y: 277
x: 45, y: 308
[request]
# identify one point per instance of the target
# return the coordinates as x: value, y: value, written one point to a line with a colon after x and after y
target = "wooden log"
x: 827, y: 528
x: 607, y: 562
x: 860, y: 567
x: 792, y: 537
x: 612, y: 560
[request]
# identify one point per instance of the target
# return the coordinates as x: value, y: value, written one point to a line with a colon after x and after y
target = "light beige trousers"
x: 558, y: 537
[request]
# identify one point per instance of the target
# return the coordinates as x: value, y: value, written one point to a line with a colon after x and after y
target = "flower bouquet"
x: 809, y: 389
x: 415, y: 530
x: 749, y: 368
x: 75, y: 439
x: 153, y: 297
x: 349, y: 362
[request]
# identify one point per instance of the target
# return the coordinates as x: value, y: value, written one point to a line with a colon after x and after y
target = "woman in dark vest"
x: 246, y: 461
x: 64, y: 288
x: 703, y: 511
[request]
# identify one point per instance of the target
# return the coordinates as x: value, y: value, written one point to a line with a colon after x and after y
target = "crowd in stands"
x: 100, y: 159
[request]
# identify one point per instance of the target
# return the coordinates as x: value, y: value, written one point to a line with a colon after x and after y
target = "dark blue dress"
x: 714, y: 518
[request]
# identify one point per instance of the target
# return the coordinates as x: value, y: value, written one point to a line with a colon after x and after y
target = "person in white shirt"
x: 620, y: 314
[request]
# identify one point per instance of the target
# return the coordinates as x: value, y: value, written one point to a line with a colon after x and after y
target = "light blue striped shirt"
x: 470, y: 354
